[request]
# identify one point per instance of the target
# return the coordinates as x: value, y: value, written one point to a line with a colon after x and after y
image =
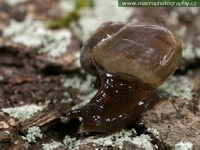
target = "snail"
x: 132, y: 61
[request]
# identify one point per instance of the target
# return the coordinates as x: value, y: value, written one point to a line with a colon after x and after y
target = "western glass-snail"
x: 132, y: 61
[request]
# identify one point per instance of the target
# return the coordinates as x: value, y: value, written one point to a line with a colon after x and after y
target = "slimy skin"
x: 132, y: 61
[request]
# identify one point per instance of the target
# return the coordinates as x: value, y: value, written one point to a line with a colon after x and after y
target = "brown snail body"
x: 132, y: 61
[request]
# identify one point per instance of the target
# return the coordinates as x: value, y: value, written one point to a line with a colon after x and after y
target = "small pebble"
x: 3, y: 124
x: 12, y: 122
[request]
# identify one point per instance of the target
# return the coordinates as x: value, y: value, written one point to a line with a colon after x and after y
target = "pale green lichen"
x: 188, y: 53
x: 51, y: 146
x: 83, y: 85
x: 182, y: 31
x: 190, y: 50
x: 33, y: 134
x: 23, y: 112
x: 143, y: 141
x: 7, y: 132
x: 197, y: 51
x: 86, y: 98
x: 71, y: 143
x: 34, y: 33
x: 155, y: 132
x: 1, y: 78
x: 14, y: 2
x: 113, y: 140
x: 178, y: 86
x: 64, y: 119
x: 72, y: 15
x: 183, y: 146
x: 77, y: 61
x: 67, y: 6
x: 92, y: 17
x: 102, y: 11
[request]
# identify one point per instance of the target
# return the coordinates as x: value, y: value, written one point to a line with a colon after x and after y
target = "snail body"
x: 132, y: 61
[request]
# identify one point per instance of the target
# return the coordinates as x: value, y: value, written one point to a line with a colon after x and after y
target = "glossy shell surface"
x: 148, y: 52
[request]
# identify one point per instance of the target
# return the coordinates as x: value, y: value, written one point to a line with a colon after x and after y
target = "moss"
x: 23, y: 112
x: 180, y: 87
x: 33, y: 134
x: 72, y: 15
x: 51, y: 146
x: 183, y: 146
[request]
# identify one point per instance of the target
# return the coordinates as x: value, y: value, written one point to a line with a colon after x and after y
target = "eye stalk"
x: 132, y: 61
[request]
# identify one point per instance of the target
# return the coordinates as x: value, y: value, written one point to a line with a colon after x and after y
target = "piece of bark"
x: 176, y: 120
x: 45, y: 119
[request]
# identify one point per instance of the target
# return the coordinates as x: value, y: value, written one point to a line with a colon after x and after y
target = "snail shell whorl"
x: 103, y: 32
x: 148, y: 52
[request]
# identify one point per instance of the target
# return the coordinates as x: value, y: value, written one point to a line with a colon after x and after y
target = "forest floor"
x: 41, y: 80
